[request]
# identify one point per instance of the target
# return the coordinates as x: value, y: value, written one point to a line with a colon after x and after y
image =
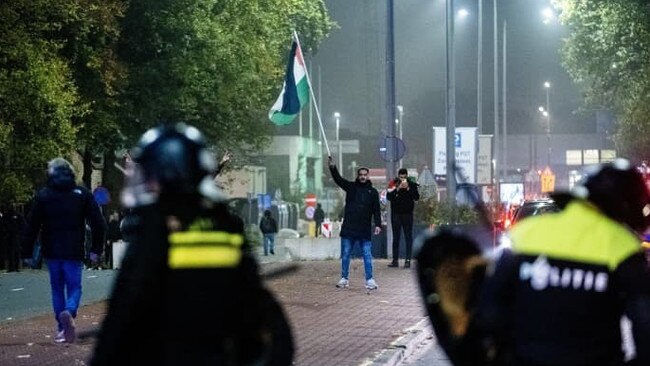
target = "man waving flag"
x: 295, y: 91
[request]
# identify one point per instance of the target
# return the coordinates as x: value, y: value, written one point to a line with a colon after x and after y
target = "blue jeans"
x: 346, y: 248
x: 65, y: 282
x: 269, y: 243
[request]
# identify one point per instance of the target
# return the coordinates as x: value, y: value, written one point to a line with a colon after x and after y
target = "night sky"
x: 353, y: 72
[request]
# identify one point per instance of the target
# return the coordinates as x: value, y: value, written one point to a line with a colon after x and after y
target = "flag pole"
x: 313, y: 98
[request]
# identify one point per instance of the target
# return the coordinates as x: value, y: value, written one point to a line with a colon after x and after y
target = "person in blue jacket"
x: 59, y: 213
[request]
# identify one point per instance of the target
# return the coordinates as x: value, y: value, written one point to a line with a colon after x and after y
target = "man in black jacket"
x: 188, y: 291
x: 361, y: 206
x: 59, y: 214
x: 402, y: 193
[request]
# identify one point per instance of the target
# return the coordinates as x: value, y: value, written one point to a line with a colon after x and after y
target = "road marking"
x: 17, y: 289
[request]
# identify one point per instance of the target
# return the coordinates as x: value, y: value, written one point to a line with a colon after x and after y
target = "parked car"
x: 534, y: 208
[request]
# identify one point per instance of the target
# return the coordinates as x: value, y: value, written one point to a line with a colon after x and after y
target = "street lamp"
x: 547, y: 86
x: 548, y: 15
x: 400, y: 113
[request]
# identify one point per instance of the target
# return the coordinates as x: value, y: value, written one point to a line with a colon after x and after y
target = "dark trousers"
x: 318, y: 228
x: 401, y: 222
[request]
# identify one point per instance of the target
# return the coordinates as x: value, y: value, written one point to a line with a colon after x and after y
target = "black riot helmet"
x: 171, y: 164
x: 619, y: 191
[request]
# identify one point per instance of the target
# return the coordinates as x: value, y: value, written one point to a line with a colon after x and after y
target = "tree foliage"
x: 38, y: 96
x: 608, y: 52
x: 215, y: 65
x: 93, y: 75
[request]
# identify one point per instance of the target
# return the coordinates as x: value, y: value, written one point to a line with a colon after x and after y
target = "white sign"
x: 484, y: 163
x: 465, y: 144
x: 309, y: 212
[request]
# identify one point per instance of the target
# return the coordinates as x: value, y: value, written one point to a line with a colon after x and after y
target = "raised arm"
x: 338, y: 179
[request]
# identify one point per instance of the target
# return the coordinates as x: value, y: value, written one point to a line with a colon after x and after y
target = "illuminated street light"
x: 462, y: 13
x: 548, y: 14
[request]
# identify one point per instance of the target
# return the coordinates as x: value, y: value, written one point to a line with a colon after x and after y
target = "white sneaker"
x: 343, y: 283
x: 67, y: 322
x: 59, y: 338
x: 371, y: 284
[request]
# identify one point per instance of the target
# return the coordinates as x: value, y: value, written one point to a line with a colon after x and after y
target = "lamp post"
x: 451, y: 104
x: 400, y: 122
x: 546, y: 115
x: 337, y: 117
x: 547, y: 86
x: 495, y: 76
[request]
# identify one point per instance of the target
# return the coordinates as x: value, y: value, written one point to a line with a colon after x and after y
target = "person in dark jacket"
x: 13, y: 224
x: 188, y: 291
x: 361, y: 207
x: 558, y: 296
x: 112, y: 236
x: 59, y: 213
x: 319, y: 217
x: 269, y: 228
x: 402, y: 194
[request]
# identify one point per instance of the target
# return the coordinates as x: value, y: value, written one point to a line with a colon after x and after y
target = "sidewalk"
x: 330, y: 326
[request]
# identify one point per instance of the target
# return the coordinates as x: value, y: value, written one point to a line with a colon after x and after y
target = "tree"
x: 215, y: 65
x: 608, y: 52
x: 89, y: 38
x: 38, y: 96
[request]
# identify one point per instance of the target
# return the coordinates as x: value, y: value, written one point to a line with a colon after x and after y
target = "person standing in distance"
x: 269, y: 228
x: 361, y: 207
x: 402, y: 195
x: 189, y: 290
x: 59, y: 214
x: 319, y: 217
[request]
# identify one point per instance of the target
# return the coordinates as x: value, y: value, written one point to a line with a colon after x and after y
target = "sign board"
x: 392, y: 148
x: 465, y: 142
x: 347, y: 147
x: 511, y: 193
x: 484, y: 160
x: 547, y: 180
x: 310, y: 199
x: 309, y: 212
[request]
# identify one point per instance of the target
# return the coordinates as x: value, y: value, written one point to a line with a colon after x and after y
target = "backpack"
x: 267, y: 225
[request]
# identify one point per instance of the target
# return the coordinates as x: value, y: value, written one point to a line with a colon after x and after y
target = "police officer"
x: 558, y: 296
x: 188, y: 292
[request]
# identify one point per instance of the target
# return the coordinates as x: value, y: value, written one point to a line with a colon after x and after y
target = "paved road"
x: 26, y: 294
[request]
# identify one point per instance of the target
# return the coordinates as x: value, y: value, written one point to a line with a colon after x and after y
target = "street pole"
x: 451, y: 106
x: 504, y: 103
x: 390, y: 108
x: 479, y: 71
x: 400, y: 111
x: 496, y: 104
x: 547, y: 85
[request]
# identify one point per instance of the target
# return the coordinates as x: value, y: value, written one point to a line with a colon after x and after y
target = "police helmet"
x: 619, y: 191
x: 170, y: 162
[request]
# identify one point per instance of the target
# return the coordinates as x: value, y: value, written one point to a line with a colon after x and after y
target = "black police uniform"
x: 189, y: 291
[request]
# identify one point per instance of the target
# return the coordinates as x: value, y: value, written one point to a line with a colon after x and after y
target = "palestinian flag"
x: 295, y: 91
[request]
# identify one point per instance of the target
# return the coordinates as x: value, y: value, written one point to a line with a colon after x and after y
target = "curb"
x: 403, y: 346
